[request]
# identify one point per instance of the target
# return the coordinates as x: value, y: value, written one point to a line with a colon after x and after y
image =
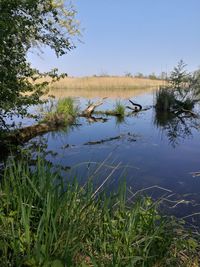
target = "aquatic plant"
x: 119, y: 109
x: 165, y: 100
x: 66, y: 106
x: 58, y: 112
x: 47, y: 221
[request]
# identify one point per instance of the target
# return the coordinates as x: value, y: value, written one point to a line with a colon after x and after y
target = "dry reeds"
x: 116, y: 87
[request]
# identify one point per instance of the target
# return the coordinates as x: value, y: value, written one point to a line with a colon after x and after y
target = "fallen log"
x: 23, y: 135
x: 103, y: 140
x: 195, y: 174
x: 56, y: 121
x: 108, y: 113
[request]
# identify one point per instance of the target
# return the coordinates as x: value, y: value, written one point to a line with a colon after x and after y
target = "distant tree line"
x: 152, y: 76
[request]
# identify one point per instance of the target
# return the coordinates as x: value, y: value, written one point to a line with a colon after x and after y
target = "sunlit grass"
x: 66, y: 106
x: 47, y: 221
x: 122, y: 87
x: 119, y: 108
x: 60, y: 110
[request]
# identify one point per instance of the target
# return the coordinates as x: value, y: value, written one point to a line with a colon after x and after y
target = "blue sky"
x: 130, y: 36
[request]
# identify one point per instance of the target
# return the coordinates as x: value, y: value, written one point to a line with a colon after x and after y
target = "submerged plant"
x: 47, y: 221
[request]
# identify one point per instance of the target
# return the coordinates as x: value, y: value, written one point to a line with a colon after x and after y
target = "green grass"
x: 66, y: 106
x: 60, y: 111
x: 119, y: 109
x: 47, y: 221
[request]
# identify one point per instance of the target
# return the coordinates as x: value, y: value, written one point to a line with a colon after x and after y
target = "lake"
x: 146, y: 151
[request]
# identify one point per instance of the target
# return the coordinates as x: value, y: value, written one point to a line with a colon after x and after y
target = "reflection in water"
x: 145, y: 159
x: 119, y: 120
x: 177, y: 126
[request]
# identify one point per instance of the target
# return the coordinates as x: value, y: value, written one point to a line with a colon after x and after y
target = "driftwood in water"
x: 195, y: 174
x: 103, y: 140
x: 95, y: 119
x: 25, y: 134
x: 136, y: 108
x: 59, y: 120
x: 108, y: 113
x: 191, y: 113
x: 90, y: 109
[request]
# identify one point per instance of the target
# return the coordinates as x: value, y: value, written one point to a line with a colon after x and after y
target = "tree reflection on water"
x: 177, y: 126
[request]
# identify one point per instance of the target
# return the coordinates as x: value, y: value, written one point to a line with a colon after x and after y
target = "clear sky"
x: 130, y: 36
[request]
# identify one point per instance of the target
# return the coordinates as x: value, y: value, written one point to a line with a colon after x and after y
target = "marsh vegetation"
x: 48, y: 221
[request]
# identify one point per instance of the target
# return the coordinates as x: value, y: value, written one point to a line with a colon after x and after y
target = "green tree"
x: 179, y: 77
x: 25, y: 24
x: 152, y: 76
x: 139, y: 75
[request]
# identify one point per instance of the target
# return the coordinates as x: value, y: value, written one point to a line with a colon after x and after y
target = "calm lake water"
x: 151, y: 152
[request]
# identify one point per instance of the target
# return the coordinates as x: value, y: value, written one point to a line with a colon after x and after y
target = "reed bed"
x: 46, y: 220
x: 122, y: 87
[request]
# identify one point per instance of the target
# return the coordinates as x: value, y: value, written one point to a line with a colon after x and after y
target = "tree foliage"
x: 175, y: 103
x: 185, y: 85
x: 179, y: 76
x: 25, y: 24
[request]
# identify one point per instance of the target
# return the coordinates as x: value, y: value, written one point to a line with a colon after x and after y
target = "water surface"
x: 150, y: 151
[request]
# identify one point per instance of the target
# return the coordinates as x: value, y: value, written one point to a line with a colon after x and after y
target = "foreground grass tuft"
x: 47, y: 221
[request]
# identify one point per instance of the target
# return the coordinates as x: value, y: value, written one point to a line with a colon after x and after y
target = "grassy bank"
x: 47, y: 221
x: 123, y: 87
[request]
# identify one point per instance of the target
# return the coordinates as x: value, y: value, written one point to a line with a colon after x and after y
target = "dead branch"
x: 94, y: 119
x: 90, y: 109
x: 190, y: 112
x: 135, y: 108
x: 107, y: 113
x: 136, y: 105
x: 103, y: 140
x: 195, y: 174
